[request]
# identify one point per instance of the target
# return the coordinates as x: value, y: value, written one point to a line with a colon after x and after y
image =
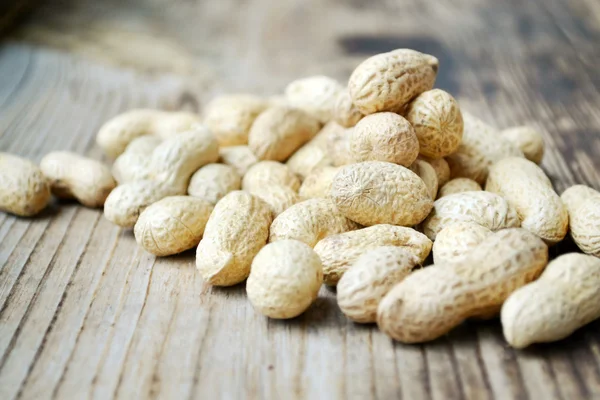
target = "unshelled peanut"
x: 458, y: 185
x: 213, y: 181
x: 318, y: 183
x: 345, y: 112
x: 453, y: 243
x: 240, y: 158
x: 24, y: 190
x: 583, y: 205
x: 315, y: 95
x: 266, y: 173
x: 428, y: 175
x: 528, y: 139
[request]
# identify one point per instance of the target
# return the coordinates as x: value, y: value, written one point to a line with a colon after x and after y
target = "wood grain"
x: 85, y: 313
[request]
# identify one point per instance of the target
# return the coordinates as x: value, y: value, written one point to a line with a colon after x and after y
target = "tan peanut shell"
x: 132, y: 164
x: 368, y: 280
x: 309, y: 222
x: 240, y: 158
x: 316, y: 95
x: 432, y: 301
x: 266, y: 173
x: 318, y: 183
x: 279, y: 131
x: 427, y: 174
x: 172, y: 225
x: 441, y: 167
x: 387, y: 81
x: 313, y: 155
x: 172, y: 164
x: 73, y: 176
x: 285, y: 279
x: 338, y: 145
x: 114, y: 136
x: 376, y: 192
x: 583, y: 205
x: 527, y: 188
x: 278, y: 197
x: 565, y: 298
x: 529, y: 140
x: 345, y: 112
x: 24, y: 190
x: 384, y: 136
x: 213, y: 181
x: 484, y: 208
x: 339, y: 252
x: 455, y: 241
x: 236, y: 230
x: 458, y: 185
x: 438, y: 123
x: 230, y: 117
x: 481, y: 146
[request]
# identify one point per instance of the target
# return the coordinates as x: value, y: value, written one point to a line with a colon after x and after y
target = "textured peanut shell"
x: 481, y: 146
x: 285, y: 279
x: 132, y: 164
x: 455, y: 241
x: 345, y: 112
x: 432, y: 301
x: 114, y: 136
x: 73, y: 176
x: 279, y: 131
x: 583, y: 205
x: 338, y: 145
x: 441, y: 167
x: 376, y: 192
x: 528, y: 139
x: 438, y: 123
x: 24, y: 190
x: 230, y: 117
x: 236, y: 230
x: 309, y: 222
x: 313, y: 155
x: 339, y: 252
x: 213, y: 181
x: 458, y: 185
x: 387, y: 81
x: 318, y: 183
x: 384, y: 136
x: 278, y: 197
x: 172, y: 164
x: 241, y: 158
x: 565, y: 298
x: 316, y: 95
x: 483, y: 208
x: 172, y: 225
x: 527, y: 188
x: 369, y: 279
x: 266, y: 173
x: 427, y: 174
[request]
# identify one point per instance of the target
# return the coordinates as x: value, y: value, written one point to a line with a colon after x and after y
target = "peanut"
x: 481, y: 147
x: 230, y: 117
x: 368, y: 280
x: 132, y: 164
x: 583, y: 205
x: 24, y: 190
x: 316, y: 95
x: 483, y: 208
x: 267, y: 173
x: 236, y: 230
x: 240, y: 158
x: 453, y: 243
x: 441, y: 167
x: 527, y: 188
x: 285, y: 279
x: 345, y: 112
x: 339, y: 252
x: 432, y: 301
x: 459, y: 185
x: 562, y: 300
x: 384, y: 136
x: 529, y: 140
x: 213, y: 181
x: 438, y: 123
x: 171, y: 165
x: 279, y: 131
x: 309, y: 222
x: 376, y: 192
x: 338, y: 145
x: 73, y: 176
x: 314, y: 154
x: 387, y: 81
x: 114, y: 136
x: 318, y: 183
x: 172, y: 225
x: 278, y: 197
x: 427, y: 174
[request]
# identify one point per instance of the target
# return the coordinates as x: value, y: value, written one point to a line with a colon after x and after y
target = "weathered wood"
x: 86, y: 313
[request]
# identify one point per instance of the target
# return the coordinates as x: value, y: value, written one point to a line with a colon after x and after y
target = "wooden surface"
x: 84, y: 313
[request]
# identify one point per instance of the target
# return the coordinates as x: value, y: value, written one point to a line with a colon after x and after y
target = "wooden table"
x: 84, y: 313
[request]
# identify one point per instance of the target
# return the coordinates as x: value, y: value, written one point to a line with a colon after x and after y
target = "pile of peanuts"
x: 353, y: 187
